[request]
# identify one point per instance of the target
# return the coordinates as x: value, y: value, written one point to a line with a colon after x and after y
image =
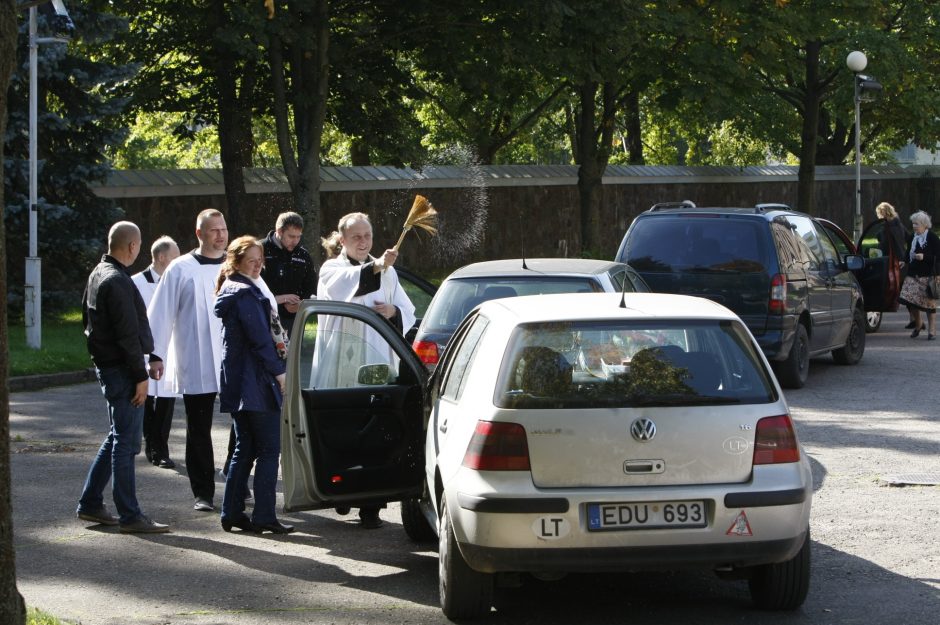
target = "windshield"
x: 458, y: 297
x: 705, y: 244
x: 631, y: 363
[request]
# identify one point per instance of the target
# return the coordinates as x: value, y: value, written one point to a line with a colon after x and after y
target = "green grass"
x: 63, y: 346
x: 35, y: 616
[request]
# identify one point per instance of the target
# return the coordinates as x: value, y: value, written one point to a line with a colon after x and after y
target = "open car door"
x: 881, y: 276
x: 352, y: 431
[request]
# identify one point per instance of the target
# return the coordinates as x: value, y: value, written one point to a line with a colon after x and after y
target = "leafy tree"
x: 78, y: 121
x: 12, y: 607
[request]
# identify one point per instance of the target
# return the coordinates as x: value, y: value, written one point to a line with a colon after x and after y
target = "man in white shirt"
x: 188, y: 336
x: 158, y: 409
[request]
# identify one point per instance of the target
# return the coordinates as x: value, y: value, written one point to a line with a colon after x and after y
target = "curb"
x: 45, y: 380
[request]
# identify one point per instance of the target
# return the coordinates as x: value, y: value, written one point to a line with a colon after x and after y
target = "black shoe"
x: 915, y: 333
x: 931, y: 337
x: 143, y: 525
x: 342, y: 510
x: 243, y: 524
x: 275, y: 528
x: 370, y: 520
x: 166, y: 463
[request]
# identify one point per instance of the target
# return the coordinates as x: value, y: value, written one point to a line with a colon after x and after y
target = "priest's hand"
x: 386, y: 260
x: 386, y: 310
x: 140, y: 393
x: 156, y: 369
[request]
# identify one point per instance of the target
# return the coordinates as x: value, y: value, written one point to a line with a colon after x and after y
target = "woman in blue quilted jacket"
x: 252, y: 384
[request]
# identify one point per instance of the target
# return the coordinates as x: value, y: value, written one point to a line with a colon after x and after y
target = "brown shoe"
x: 102, y: 516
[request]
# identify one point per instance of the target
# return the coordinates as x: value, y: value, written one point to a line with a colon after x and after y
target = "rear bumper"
x: 613, y: 559
x: 776, y: 335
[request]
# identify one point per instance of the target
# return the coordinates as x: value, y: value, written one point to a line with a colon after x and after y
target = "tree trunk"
x: 593, y: 154
x: 236, y: 142
x: 634, y: 130
x: 12, y: 607
x: 304, y: 99
x: 359, y: 153
x: 806, y: 185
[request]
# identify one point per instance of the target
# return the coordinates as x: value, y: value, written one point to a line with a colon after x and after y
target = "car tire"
x: 872, y: 322
x: 465, y: 593
x: 782, y: 586
x: 415, y: 523
x: 794, y: 371
x: 854, y: 347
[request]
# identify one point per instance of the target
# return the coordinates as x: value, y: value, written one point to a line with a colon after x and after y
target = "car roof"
x: 763, y: 211
x: 512, y: 267
x: 596, y: 306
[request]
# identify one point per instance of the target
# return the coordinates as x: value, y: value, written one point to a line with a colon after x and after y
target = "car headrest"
x: 542, y: 371
x: 496, y: 292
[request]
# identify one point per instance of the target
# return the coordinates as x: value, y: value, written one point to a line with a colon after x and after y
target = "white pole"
x: 33, y: 288
x: 858, y: 163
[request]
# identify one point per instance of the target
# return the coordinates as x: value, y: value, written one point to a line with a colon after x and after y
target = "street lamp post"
x: 857, y: 62
x: 32, y: 293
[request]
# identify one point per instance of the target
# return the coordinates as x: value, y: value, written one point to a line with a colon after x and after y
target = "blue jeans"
x: 258, y: 440
x: 115, y: 457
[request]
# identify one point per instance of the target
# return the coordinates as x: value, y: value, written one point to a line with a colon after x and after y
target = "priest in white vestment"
x: 188, y: 336
x: 344, y: 344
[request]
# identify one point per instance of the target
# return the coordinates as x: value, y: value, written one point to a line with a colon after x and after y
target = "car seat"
x: 542, y: 371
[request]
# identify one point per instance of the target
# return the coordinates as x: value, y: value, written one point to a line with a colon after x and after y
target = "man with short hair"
x: 288, y: 267
x: 158, y: 409
x: 188, y: 334
x: 118, y: 337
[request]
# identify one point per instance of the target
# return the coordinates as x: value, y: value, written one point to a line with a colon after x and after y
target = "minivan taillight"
x: 426, y: 351
x: 778, y: 293
x: 497, y: 447
x: 775, y: 441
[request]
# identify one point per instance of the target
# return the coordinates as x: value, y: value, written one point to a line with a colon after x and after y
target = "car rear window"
x: 704, y: 244
x: 458, y: 297
x: 631, y: 363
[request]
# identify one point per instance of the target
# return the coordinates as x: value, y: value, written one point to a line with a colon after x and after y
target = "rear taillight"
x: 426, y: 351
x: 775, y: 441
x: 497, y: 447
x: 778, y: 293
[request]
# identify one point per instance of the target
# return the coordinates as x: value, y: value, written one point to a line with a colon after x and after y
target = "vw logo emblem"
x: 643, y: 430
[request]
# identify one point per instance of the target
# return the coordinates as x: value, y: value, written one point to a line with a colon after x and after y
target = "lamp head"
x: 857, y: 61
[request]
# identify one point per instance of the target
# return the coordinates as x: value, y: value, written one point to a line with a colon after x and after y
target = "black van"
x: 777, y: 269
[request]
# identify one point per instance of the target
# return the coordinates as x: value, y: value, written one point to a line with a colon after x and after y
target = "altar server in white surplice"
x: 344, y: 344
x: 158, y: 409
x: 189, y: 336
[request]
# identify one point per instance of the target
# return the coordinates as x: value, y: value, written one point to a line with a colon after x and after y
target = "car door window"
x: 806, y: 232
x: 831, y: 255
x: 456, y: 374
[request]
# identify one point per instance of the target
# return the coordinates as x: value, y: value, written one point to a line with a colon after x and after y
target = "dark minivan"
x: 777, y: 269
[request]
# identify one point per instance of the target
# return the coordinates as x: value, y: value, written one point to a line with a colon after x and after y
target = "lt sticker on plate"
x: 551, y: 528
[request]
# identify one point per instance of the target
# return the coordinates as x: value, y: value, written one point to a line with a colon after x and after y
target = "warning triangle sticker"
x: 740, y: 527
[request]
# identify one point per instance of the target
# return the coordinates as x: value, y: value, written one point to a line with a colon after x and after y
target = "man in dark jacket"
x: 288, y: 267
x: 118, y: 337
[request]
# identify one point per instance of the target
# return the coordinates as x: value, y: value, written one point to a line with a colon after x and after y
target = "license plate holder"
x: 620, y: 516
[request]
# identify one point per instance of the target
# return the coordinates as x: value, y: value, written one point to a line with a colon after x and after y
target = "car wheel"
x: 872, y: 322
x: 415, y: 523
x: 854, y: 347
x: 794, y: 371
x: 782, y: 586
x: 465, y: 593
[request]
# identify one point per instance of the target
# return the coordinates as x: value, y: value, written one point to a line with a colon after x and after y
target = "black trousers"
x: 200, y: 462
x: 158, y: 417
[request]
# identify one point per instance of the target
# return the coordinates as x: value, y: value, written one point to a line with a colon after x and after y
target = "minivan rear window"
x: 697, y: 245
x: 629, y: 363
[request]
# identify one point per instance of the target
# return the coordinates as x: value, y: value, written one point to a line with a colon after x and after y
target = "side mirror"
x: 372, y: 375
x: 854, y: 262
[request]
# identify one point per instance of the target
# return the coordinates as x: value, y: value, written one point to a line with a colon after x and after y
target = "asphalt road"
x: 876, y: 549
